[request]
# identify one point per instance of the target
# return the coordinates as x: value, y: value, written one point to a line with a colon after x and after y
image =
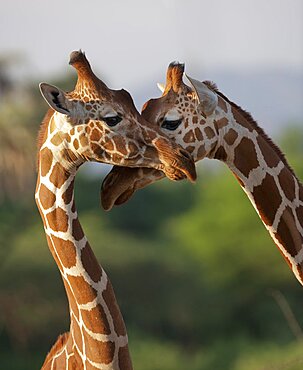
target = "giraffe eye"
x: 171, y: 125
x: 112, y: 121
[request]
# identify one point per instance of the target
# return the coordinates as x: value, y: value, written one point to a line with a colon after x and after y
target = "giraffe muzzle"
x: 177, y: 163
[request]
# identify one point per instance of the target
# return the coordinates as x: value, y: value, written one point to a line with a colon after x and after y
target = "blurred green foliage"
x: 192, y: 266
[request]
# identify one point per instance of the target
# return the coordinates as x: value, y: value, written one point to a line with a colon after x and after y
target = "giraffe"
x: 207, y: 124
x: 91, y: 123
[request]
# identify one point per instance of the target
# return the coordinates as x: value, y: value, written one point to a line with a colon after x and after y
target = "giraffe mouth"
x: 121, y: 183
x: 176, y: 162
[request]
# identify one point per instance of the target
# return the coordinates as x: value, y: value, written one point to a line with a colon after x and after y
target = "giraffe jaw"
x: 118, y: 186
x: 122, y: 182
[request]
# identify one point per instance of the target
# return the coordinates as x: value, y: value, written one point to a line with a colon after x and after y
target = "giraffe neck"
x: 97, y: 337
x: 267, y: 179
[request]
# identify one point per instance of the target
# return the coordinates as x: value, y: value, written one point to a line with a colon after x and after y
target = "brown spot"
x: 120, y: 144
x: 108, y: 145
x: 72, y: 131
x: 58, y: 220
x: 97, y: 351
x: 72, y: 363
x: 231, y: 136
x: 198, y: 134
x: 186, y: 123
x: 83, y: 140
x: 79, y: 129
x: 246, y: 156
x: 209, y: 132
x: 52, y: 125
x: 76, y: 144
x: 195, y: 119
x: 220, y: 154
x: 202, y: 122
x: 110, y: 299
x: 77, y: 230
x: 82, y: 291
x: 241, y: 119
x: 67, y: 196
x: 267, y: 199
x: 75, y: 329
x: 95, y: 320
x: 124, y: 359
x: 46, y: 158
x: 287, y: 183
x: 95, y: 135
x: 60, y: 360
x: 58, y: 175
x: 47, y: 198
x: 271, y: 157
x: 222, y: 104
x: 189, y: 137
x: 287, y: 233
x: 201, y: 152
x: 190, y: 149
x: 116, y: 157
x: 66, y: 251
x: 57, y: 139
x: 222, y: 122
x: 90, y: 263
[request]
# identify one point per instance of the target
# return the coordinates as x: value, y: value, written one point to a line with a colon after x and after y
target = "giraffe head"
x: 184, y: 113
x: 96, y: 123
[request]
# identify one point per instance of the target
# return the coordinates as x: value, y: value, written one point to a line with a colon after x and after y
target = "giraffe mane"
x: 42, y: 130
x: 60, y: 342
x: 211, y: 85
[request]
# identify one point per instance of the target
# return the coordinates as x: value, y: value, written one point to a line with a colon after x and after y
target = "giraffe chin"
x: 118, y: 186
x: 122, y: 182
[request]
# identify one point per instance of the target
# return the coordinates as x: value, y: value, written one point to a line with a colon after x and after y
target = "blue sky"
x: 131, y: 42
x: 145, y: 35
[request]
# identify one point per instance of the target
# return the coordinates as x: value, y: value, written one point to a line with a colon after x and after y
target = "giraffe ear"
x: 54, y: 97
x: 207, y: 98
x: 161, y: 87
